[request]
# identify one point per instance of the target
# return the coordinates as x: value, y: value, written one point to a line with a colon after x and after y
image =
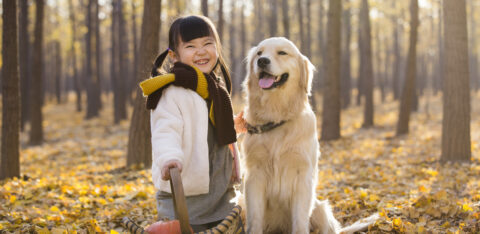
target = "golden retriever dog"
x: 281, y: 148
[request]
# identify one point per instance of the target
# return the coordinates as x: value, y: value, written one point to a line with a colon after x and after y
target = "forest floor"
x: 77, y: 181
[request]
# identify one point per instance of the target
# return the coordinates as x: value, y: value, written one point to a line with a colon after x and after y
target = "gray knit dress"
x: 211, y: 207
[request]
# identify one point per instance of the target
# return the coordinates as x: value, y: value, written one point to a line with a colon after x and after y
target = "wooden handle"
x: 179, y: 203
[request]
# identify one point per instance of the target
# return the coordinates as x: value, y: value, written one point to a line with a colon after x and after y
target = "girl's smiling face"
x: 200, y: 52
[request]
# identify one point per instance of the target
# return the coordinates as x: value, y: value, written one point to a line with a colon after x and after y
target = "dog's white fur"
x: 281, y: 164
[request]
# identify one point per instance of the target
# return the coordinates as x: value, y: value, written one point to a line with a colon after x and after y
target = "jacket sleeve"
x: 167, y: 128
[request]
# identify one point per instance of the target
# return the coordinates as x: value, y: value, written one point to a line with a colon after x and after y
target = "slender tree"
x: 366, y: 63
x: 76, y: 78
x: 308, y: 37
x: 273, y: 26
x: 331, y: 91
x: 409, y: 87
x: 24, y: 53
x: 220, y: 20
x: 36, y: 118
x: 259, y: 21
x: 93, y: 87
x: 58, y: 71
x: 456, y: 98
x: 474, y: 79
x: 135, y: 52
x: 233, y: 49
x: 346, y: 77
x: 243, y: 39
x: 139, y: 144
x: 204, y: 7
x: 10, y: 160
x: 397, y: 55
x: 285, y: 19
x: 301, y: 33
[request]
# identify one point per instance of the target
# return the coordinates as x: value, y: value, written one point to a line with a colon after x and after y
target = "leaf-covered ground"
x: 76, y: 181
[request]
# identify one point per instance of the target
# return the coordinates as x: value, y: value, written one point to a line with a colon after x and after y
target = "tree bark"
x: 259, y: 35
x: 345, y: 72
x: 220, y: 20
x: 24, y: 53
x: 308, y: 39
x: 285, y: 18
x: 397, y: 56
x: 76, y: 78
x: 93, y: 87
x: 301, y: 33
x: 132, y: 84
x: 10, y: 160
x: 366, y: 63
x: 273, y: 18
x: 409, y: 86
x: 243, y: 39
x: 204, y: 7
x: 36, y: 118
x: 58, y: 72
x: 474, y: 79
x: 119, y: 63
x: 139, y: 137
x: 233, y: 49
x: 331, y: 91
x: 456, y: 144
x: 439, y: 79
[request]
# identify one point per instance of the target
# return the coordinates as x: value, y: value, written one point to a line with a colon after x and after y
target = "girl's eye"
x: 189, y: 46
x: 282, y: 52
x: 259, y: 53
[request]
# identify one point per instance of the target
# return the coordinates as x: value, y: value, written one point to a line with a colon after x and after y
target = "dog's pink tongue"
x: 266, y: 82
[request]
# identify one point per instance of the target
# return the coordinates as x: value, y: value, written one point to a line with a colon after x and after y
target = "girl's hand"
x: 170, y: 164
x: 240, y: 123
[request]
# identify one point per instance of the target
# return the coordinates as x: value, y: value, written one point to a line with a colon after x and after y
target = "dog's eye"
x: 281, y: 52
x: 259, y: 53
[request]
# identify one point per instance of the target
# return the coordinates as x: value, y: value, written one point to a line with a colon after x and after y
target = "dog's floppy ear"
x: 249, y: 60
x: 307, y: 74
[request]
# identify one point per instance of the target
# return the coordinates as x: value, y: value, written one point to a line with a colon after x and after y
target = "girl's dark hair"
x: 186, y: 29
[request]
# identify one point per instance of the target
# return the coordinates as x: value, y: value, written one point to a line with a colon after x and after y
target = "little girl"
x: 192, y: 124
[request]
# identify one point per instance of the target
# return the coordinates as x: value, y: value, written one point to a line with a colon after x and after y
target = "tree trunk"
x: 76, y: 78
x: 233, y: 48
x: 93, y: 104
x: 24, y: 54
x: 440, y: 78
x: 259, y: 36
x: 98, y: 52
x: 474, y: 79
x: 119, y: 63
x: 308, y: 39
x: 285, y: 19
x: 273, y: 18
x: 299, y: 13
x: 204, y: 7
x: 409, y: 86
x: 220, y: 20
x: 139, y: 137
x: 10, y: 160
x: 132, y: 85
x: 58, y: 72
x: 36, y: 118
x: 345, y: 72
x: 331, y: 91
x: 243, y: 39
x: 366, y: 63
x: 456, y: 98
x: 397, y: 56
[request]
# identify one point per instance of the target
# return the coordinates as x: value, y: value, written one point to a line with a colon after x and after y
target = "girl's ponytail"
x: 158, y: 63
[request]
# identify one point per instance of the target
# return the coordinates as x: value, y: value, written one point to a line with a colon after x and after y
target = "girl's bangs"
x: 192, y: 28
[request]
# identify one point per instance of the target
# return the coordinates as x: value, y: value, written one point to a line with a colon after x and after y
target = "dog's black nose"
x: 263, y: 62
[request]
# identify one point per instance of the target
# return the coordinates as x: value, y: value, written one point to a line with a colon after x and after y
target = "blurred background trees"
x: 93, y: 53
